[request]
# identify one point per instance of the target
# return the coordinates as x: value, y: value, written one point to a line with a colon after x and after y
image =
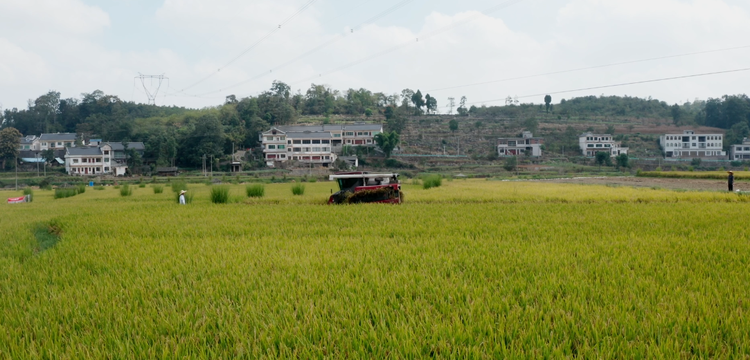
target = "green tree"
x: 418, y: 102
x: 10, y: 140
x: 603, y: 158
x: 547, y: 101
x: 387, y: 141
x: 510, y: 163
x: 462, y: 107
x: 622, y: 161
x: 453, y: 125
x: 431, y: 104
x: 48, y: 155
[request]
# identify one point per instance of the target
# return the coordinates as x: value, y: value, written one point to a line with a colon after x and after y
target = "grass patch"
x: 158, y: 189
x: 62, y: 193
x: 125, y: 190
x: 98, y: 187
x: 47, y: 235
x: 220, y: 194
x: 255, y: 190
x: 298, y: 189
x: 431, y: 181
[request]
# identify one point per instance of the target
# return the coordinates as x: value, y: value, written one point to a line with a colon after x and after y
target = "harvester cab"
x: 363, y: 187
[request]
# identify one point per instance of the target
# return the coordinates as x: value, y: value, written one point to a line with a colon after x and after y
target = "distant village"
x: 322, y: 145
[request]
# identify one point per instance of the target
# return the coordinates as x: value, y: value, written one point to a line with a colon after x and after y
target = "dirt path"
x: 667, y: 183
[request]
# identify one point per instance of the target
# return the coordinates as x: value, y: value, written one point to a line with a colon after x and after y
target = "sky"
x: 486, y: 50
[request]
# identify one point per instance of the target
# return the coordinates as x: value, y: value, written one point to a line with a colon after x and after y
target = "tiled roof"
x: 58, y: 137
x: 84, y: 151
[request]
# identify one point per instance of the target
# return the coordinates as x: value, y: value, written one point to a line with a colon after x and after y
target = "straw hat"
x: 730, y: 172
x: 183, y: 191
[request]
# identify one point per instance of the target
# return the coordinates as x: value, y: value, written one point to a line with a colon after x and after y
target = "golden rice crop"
x: 478, y: 269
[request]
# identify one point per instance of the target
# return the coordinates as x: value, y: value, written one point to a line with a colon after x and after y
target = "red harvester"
x: 362, y: 187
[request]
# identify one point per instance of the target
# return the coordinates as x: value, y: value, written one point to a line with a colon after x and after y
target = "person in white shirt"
x: 182, y: 197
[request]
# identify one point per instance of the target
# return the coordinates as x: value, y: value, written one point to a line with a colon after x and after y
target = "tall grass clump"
x: 125, y: 190
x: 256, y: 190
x: 431, y: 181
x: 30, y: 192
x: 141, y: 185
x: 98, y: 187
x: 61, y: 193
x: 219, y: 194
x: 81, y: 188
x: 158, y: 189
x: 298, y: 189
x: 179, y: 185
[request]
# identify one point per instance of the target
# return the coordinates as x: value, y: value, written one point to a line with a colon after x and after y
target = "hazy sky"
x: 438, y: 46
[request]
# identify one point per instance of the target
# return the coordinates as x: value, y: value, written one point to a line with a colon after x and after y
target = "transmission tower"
x: 158, y: 79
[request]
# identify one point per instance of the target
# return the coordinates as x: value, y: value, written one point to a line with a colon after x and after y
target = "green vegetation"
x: 431, y: 181
x: 62, y: 193
x: 479, y: 269
x: 220, y: 194
x: 298, y: 189
x: 158, y: 189
x: 98, y: 187
x: 125, y: 190
x: 255, y: 190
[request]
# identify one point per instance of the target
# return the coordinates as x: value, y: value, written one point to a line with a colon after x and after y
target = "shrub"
x: 158, y: 189
x: 256, y: 190
x: 736, y: 163
x: 695, y: 162
x: 220, y: 194
x: 30, y: 192
x: 431, y: 181
x: 61, y: 193
x: 179, y: 185
x: 298, y: 189
x: 141, y: 185
x: 81, y: 188
x: 125, y: 190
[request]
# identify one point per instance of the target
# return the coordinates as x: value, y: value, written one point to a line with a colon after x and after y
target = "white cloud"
x: 59, y: 16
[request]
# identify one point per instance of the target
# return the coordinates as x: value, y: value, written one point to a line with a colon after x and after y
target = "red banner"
x: 16, y: 200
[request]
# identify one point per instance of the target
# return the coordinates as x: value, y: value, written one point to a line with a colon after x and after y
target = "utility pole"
x: 212, y: 165
x: 36, y: 156
x: 458, y: 139
x: 16, y: 172
x: 151, y: 96
x: 204, y: 164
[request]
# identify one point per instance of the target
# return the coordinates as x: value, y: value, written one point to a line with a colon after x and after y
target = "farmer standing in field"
x: 182, y: 197
x: 730, y: 181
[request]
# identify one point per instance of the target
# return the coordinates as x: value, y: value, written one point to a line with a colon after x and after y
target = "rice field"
x: 470, y: 269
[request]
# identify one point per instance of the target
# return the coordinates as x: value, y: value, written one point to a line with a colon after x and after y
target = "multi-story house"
x: 740, y: 151
x: 315, y: 144
x: 105, y: 159
x: 526, y: 144
x: 689, y: 145
x: 307, y: 147
x: 57, y: 141
x: 591, y: 144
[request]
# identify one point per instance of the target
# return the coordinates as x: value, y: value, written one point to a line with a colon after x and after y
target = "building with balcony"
x: 104, y: 159
x: 314, y: 144
x: 690, y: 145
x: 740, y: 152
x: 591, y: 144
x: 526, y: 144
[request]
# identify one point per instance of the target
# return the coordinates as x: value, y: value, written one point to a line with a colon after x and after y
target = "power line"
x: 287, y: 20
x: 330, y: 42
x: 620, y: 84
x: 428, y: 35
x: 589, y: 68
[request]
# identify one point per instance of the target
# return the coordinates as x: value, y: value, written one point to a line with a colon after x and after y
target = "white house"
x: 690, y: 145
x: 591, y: 144
x: 527, y: 143
x: 57, y: 141
x: 29, y: 143
x: 315, y: 144
x: 105, y: 159
x: 740, y: 151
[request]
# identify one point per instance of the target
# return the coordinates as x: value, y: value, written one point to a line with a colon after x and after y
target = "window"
x: 106, y: 152
x: 369, y: 141
x: 326, y: 149
x: 106, y: 168
x: 328, y: 158
x: 326, y: 141
x: 305, y: 141
x: 271, y: 147
x: 281, y: 147
x: 269, y: 138
x: 106, y: 160
x: 44, y: 144
x: 349, y: 133
x: 289, y: 142
x: 75, y: 161
x: 360, y: 133
x: 282, y: 138
x: 598, y: 145
x: 297, y: 142
x: 271, y: 156
x: 316, y: 141
x: 59, y: 143
x: 283, y: 156
x: 336, y: 135
x: 297, y: 149
x: 316, y: 149
x: 591, y: 145
x: 307, y: 149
